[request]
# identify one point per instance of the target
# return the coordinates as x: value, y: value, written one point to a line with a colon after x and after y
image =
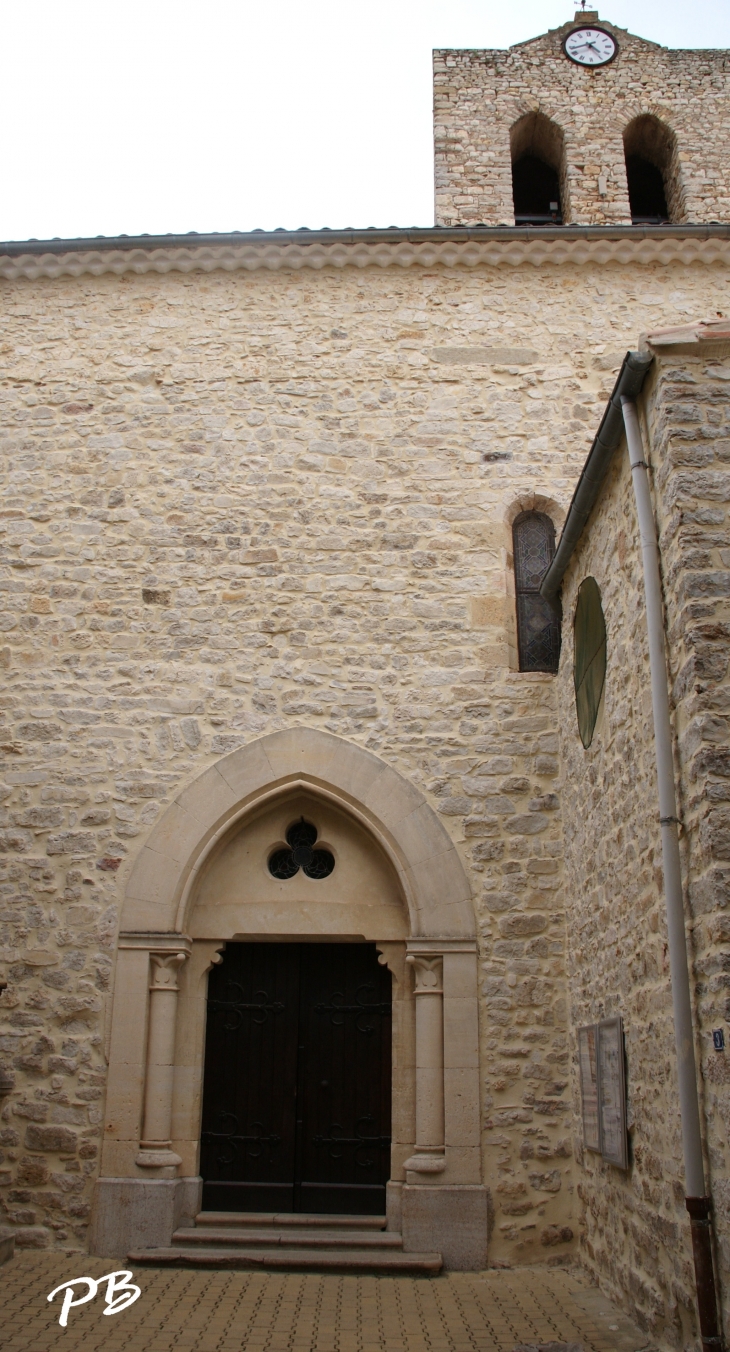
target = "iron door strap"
x: 337, y: 1008
x: 259, y: 1008
x: 360, y: 1142
x: 232, y: 1139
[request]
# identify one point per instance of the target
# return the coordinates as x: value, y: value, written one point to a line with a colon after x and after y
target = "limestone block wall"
x: 240, y: 502
x: 635, y: 1233
x: 480, y: 95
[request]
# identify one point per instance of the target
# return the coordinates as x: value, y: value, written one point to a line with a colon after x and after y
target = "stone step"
x: 299, y: 1237
x: 295, y: 1219
x: 298, y: 1260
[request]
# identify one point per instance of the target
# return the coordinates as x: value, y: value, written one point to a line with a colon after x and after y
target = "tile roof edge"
x: 370, y: 235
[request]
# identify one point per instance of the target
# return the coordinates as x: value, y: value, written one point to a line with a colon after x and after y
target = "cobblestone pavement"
x: 229, y: 1311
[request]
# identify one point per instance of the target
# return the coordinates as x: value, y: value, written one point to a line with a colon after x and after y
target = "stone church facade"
x: 259, y: 502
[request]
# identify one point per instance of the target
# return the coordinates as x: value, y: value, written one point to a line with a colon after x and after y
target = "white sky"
x: 126, y: 116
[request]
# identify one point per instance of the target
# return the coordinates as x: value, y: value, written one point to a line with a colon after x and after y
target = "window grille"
x: 300, y: 853
x: 538, y: 626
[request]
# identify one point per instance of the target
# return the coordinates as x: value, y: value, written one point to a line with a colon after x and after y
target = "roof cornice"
x: 486, y: 246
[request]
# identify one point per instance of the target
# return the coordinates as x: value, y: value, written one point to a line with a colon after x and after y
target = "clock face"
x: 590, y: 47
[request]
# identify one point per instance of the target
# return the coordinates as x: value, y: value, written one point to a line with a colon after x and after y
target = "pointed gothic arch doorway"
x: 202, y: 881
x: 296, y: 1102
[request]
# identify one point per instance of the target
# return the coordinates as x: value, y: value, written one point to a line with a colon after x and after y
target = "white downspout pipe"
x: 698, y: 1204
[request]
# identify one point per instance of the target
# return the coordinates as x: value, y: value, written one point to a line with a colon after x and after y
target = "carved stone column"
x: 155, y: 1148
x: 428, y: 1157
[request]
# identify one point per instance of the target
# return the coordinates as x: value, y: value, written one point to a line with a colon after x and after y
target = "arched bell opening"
x: 652, y: 172
x: 539, y: 183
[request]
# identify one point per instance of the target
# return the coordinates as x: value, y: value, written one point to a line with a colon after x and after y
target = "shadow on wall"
x: 538, y: 171
x: 652, y: 172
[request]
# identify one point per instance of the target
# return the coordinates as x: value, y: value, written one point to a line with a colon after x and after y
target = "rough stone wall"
x: 688, y: 411
x: 234, y: 503
x: 632, y: 1224
x: 635, y: 1228
x: 480, y: 95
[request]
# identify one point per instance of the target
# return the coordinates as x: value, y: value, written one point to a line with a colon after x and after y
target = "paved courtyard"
x: 230, y: 1311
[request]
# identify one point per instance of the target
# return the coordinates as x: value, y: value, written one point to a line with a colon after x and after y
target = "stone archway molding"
x: 423, y: 854
x: 149, y: 1184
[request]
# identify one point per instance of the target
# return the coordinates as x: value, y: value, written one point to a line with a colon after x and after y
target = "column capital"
x: 428, y: 972
x: 165, y: 968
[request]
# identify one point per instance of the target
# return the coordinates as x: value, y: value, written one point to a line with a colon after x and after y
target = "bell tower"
x: 585, y: 125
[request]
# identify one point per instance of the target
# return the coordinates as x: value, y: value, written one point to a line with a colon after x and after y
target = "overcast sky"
x: 156, y: 116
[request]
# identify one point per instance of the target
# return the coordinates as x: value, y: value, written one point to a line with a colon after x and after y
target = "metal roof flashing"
x: 708, y: 336
x: 368, y: 235
x: 628, y: 383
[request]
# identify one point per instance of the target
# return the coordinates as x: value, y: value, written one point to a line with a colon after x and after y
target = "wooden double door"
x: 297, y: 1088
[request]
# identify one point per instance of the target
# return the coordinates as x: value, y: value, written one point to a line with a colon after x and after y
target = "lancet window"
x: 538, y: 626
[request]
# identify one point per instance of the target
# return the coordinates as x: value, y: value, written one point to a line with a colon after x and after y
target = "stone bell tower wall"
x: 479, y: 97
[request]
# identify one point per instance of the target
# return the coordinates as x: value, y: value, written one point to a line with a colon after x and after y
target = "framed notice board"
x: 589, y: 1087
x: 603, y: 1090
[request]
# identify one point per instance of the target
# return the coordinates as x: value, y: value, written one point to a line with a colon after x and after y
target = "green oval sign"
x: 589, y: 660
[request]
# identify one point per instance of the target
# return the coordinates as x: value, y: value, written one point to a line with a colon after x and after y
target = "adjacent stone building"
x: 258, y: 512
x: 636, y: 1236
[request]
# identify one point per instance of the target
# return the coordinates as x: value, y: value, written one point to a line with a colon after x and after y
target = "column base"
x: 427, y: 1160
x: 161, y: 1158
x: 424, y: 1164
x: 140, y: 1213
x: 450, y: 1220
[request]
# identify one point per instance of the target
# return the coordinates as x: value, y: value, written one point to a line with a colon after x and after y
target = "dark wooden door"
x: 248, y: 1135
x: 296, y: 1097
